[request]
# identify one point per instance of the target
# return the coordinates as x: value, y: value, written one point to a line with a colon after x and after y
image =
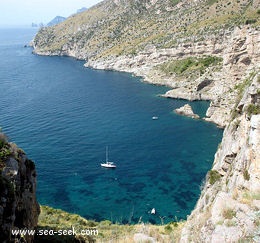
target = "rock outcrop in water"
x: 203, y: 50
x: 186, y: 110
x: 18, y: 205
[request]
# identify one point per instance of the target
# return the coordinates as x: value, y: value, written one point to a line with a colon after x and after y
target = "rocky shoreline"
x: 240, y: 53
x: 238, y: 48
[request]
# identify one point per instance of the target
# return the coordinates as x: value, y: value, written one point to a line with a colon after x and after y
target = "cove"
x: 64, y: 115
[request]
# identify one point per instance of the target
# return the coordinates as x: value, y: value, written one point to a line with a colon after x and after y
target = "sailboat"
x: 108, y: 164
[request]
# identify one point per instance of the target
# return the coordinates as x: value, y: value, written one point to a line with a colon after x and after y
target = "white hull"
x: 108, y: 165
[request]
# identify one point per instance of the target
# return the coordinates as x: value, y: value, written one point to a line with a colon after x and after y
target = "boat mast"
x: 106, y: 154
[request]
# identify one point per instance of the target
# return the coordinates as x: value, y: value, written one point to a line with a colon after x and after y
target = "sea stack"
x: 186, y: 110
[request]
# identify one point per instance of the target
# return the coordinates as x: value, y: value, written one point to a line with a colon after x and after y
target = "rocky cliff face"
x: 229, y: 206
x: 139, y: 36
x: 18, y: 205
x: 240, y: 50
x: 126, y: 27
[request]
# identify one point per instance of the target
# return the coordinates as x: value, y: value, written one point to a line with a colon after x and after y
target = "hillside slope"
x: 117, y: 27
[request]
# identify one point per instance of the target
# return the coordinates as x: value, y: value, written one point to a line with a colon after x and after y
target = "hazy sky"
x: 24, y: 12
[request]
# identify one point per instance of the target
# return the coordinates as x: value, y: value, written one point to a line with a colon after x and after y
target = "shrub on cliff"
x: 253, y: 109
x: 189, y: 64
x: 250, y: 21
x: 214, y: 176
x: 3, y: 140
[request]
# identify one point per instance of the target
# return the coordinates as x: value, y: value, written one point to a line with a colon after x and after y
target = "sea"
x: 64, y: 115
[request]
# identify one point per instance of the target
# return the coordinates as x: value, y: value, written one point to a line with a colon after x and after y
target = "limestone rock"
x: 140, y: 237
x: 228, y: 209
x: 19, y: 208
x: 186, y: 110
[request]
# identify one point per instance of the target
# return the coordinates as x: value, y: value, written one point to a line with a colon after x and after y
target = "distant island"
x: 56, y: 20
x: 81, y: 10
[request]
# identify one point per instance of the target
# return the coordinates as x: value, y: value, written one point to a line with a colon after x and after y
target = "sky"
x: 26, y: 12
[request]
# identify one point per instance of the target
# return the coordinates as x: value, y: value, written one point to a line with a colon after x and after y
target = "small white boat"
x: 108, y: 164
x: 153, y: 211
x: 155, y: 117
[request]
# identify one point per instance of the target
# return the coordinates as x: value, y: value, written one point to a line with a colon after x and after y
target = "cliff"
x: 202, y: 50
x: 127, y: 27
x: 146, y: 38
x: 228, y: 208
x: 18, y: 205
x: 239, y: 53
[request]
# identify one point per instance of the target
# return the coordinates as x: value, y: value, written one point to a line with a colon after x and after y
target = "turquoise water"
x: 64, y: 115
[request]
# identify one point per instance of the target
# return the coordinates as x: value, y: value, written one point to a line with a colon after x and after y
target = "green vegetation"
x: 5, y: 151
x: 7, y: 189
x: 214, y: 176
x: 57, y: 219
x: 250, y: 21
x: 168, y: 228
x: 248, y: 196
x: 253, y: 109
x: 240, y: 88
x: 131, y: 26
x: 175, y: 2
x: 211, y: 2
x: 230, y: 223
x: 246, y: 175
x: 190, y: 64
x: 3, y: 140
x: 229, y: 213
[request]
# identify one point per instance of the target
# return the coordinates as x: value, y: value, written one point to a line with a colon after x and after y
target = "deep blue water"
x: 64, y: 115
